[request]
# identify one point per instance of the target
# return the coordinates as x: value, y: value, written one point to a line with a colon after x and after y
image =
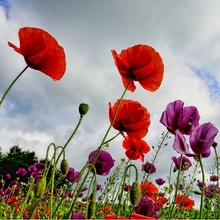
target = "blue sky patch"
x: 211, y: 82
x: 6, y: 5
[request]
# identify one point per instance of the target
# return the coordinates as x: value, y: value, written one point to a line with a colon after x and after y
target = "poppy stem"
x: 203, y: 184
x: 9, y: 88
x: 177, y: 186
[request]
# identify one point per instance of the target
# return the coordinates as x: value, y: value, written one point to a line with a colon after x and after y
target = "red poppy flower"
x: 149, y: 190
x: 184, y: 201
x: 132, y: 118
x: 140, y: 63
x: 135, y: 149
x: 41, y: 52
x: 138, y: 216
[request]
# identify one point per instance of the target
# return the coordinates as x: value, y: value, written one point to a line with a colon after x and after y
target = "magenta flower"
x: 127, y: 187
x: 98, y: 187
x: 72, y: 175
x: 21, y: 172
x: 177, y: 117
x: 146, y: 207
x: 211, y: 190
x: 77, y: 215
x: 148, y: 168
x: 8, y: 176
x: 186, y: 163
x: 199, y: 184
x: 102, y: 163
x: 202, y: 139
x: 214, y: 178
x: 160, y: 181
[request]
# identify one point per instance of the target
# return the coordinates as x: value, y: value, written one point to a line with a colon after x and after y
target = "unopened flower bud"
x: 64, y: 167
x: 92, y: 206
x: 83, y: 108
x: 40, y: 187
x: 135, y: 193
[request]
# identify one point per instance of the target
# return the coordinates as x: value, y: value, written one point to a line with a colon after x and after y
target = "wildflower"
x: 148, y: 189
x: 112, y: 216
x: 140, y: 63
x: 41, y: 52
x: 211, y: 190
x: 186, y: 163
x: 146, y: 207
x: 72, y: 175
x: 135, y: 149
x: 214, y: 178
x: 77, y: 215
x: 102, y: 163
x: 98, y: 187
x: 177, y: 117
x: 148, y: 168
x: 160, y: 181
x: 105, y: 209
x: 202, y: 139
x: 8, y: 176
x: 132, y: 118
x: 138, y: 216
x: 184, y: 202
x: 199, y: 184
x: 127, y: 187
x: 21, y: 172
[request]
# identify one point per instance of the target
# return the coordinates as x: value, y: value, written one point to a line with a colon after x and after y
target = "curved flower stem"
x: 9, y: 88
x: 177, y: 186
x: 155, y: 156
x: 111, y: 138
x: 70, y: 138
x: 203, y: 184
x: 123, y: 183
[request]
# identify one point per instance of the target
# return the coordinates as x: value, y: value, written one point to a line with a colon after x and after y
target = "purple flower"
x: 214, y: 178
x: 98, y: 187
x: 8, y: 176
x: 127, y: 187
x: 180, y: 145
x: 211, y: 190
x: 72, y: 175
x: 102, y: 163
x: 84, y: 188
x: 160, y: 181
x: 199, y: 184
x: 146, y: 207
x: 177, y: 117
x: 202, y: 139
x: 21, y: 172
x: 186, y: 163
x: 148, y: 168
x: 77, y: 215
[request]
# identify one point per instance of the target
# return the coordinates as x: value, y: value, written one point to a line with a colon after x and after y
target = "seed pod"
x: 64, y: 167
x: 83, y: 108
x: 135, y: 193
x: 40, y: 187
x: 92, y: 207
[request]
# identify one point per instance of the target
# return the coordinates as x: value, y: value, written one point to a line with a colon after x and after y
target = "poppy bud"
x: 83, y: 108
x: 135, y: 193
x: 197, y: 192
x: 64, y: 167
x: 40, y: 187
x: 92, y: 206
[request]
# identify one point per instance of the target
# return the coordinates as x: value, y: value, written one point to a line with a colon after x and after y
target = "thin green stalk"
x: 13, y: 82
x: 177, y: 186
x: 203, y: 186
x: 70, y: 138
x: 155, y: 156
x: 217, y: 165
x: 123, y: 183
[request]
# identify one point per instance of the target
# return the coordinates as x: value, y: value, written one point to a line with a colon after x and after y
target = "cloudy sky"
x: 38, y: 111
